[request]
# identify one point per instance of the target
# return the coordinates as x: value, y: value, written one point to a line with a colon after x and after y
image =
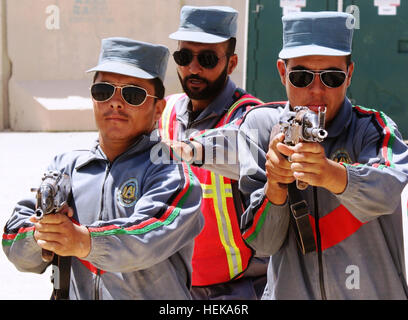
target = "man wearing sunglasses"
x: 224, y: 267
x: 131, y: 223
x: 351, y: 210
x: 352, y: 207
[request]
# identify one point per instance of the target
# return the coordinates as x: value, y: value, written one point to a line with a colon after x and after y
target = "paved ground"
x: 23, y: 159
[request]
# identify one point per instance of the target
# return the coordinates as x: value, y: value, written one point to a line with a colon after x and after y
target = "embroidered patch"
x: 127, y: 194
x: 341, y: 156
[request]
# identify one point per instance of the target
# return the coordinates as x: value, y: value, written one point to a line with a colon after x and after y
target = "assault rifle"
x: 52, y: 197
x: 302, y: 124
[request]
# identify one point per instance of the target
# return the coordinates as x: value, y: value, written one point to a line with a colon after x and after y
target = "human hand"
x: 278, y: 170
x: 309, y: 164
x: 185, y: 151
x: 57, y: 233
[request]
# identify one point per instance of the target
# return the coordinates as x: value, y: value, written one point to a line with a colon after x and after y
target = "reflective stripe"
x: 387, y: 131
x: 218, y: 191
x: 166, y: 116
x: 229, y: 255
x: 235, y: 106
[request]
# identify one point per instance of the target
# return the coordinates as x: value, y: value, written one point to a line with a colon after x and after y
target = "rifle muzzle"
x: 39, y: 214
x: 317, y: 134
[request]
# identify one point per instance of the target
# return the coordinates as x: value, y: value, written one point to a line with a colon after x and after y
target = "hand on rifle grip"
x: 301, y: 185
x: 47, y: 255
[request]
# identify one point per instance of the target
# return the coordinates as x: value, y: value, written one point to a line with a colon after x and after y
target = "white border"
x: 404, y: 201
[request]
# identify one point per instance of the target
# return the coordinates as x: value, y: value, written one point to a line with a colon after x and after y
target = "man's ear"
x: 350, y: 73
x: 280, y: 65
x: 160, y: 105
x: 232, y: 64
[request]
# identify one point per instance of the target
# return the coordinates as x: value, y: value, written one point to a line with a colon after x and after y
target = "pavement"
x: 23, y: 159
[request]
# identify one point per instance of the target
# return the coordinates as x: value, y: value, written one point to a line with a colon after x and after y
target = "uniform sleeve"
x: 264, y: 225
x: 220, y: 150
x: 166, y: 218
x: 18, y: 241
x: 376, y: 180
x: 221, y: 154
x: 220, y: 144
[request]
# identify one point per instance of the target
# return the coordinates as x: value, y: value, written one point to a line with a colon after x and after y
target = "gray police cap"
x: 326, y: 33
x: 213, y: 24
x: 133, y: 58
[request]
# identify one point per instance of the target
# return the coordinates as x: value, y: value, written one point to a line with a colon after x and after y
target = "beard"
x: 212, y: 89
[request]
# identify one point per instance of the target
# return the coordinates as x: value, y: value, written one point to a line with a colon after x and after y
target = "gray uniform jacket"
x: 360, y: 253
x: 142, y: 217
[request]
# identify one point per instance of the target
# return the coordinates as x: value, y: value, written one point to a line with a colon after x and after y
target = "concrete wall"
x: 51, y: 43
x: 5, y: 68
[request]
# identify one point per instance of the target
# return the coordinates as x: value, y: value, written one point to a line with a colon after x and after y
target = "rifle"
x: 302, y: 124
x: 52, y: 196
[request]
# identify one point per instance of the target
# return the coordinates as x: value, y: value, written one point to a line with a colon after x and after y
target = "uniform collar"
x: 341, y: 121
x: 142, y: 143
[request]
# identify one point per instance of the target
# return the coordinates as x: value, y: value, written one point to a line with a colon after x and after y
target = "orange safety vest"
x: 220, y: 253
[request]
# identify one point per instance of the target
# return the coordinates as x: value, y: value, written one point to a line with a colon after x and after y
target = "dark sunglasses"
x: 330, y: 78
x: 133, y: 95
x: 208, y: 59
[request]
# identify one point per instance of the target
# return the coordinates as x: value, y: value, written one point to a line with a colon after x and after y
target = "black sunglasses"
x: 208, y: 59
x: 133, y: 95
x: 330, y: 78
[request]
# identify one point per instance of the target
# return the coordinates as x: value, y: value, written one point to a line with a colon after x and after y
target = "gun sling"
x: 300, y: 221
x: 61, y: 275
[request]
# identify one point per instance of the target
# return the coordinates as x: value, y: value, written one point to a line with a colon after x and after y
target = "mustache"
x: 195, y: 77
x: 117, y: 112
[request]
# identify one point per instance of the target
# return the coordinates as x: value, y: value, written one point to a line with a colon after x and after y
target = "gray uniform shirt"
x: 142, y: 217
x: 359, y: 232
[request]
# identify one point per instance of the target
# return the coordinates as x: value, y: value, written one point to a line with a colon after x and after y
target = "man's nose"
x: 317, y: 84
x: 116, y: 102
x: 194, y: 66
